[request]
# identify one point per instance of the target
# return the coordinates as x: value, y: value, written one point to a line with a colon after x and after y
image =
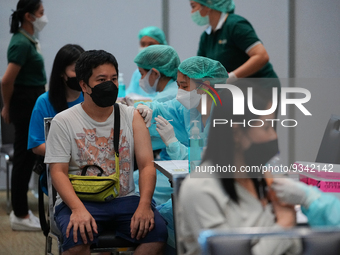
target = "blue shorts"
x: 117, y: 214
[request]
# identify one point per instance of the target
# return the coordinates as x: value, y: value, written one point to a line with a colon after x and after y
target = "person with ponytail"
x: 23, y: 82
x: 236, y: 197
x: 64, y: 92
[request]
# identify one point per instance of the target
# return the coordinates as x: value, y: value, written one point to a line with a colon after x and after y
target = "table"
x: 172, y: 167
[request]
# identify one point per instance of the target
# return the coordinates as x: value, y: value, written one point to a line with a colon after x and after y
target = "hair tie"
x: 14, y: 14
x: 16, y: 11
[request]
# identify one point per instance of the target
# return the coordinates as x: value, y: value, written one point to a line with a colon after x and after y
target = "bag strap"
x: 116, y: 136
x: 116, y: 129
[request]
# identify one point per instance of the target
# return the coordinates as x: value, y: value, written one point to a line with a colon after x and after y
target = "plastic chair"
x: 6, y: 152
x: 324, y: 241
x: 107, y: 241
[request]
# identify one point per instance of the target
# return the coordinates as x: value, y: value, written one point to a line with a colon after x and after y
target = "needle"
x: 155, y: 122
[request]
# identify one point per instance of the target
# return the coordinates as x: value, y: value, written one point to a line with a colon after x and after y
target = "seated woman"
x: 226, y: 200
x: 64, y: 92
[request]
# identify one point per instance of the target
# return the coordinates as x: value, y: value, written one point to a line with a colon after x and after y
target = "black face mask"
x: 73, y: 83
x: 104, y: 94
x: 260, y: 153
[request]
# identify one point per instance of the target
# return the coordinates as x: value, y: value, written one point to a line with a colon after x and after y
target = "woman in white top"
x: 232, y: 199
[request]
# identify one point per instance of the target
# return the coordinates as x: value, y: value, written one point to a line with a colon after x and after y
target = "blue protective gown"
x: 163, y: 189
x: 182, y: 123
x: 168, y: 93
x: 323, y: 211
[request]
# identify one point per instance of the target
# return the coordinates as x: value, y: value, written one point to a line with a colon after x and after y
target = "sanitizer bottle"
x: 196, y: 146
x: 121, y: 87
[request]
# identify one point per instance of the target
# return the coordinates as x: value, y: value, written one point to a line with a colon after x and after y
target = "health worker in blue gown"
x: 147, y: 36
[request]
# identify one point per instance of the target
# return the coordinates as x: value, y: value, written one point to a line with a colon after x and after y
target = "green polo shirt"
x: 23, y: 52
x: 230, y: 44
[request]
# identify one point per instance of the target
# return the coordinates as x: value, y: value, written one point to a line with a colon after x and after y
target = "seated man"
x: 83, y: 135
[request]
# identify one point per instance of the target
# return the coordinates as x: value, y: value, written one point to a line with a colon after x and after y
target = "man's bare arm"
x: 143, y: 219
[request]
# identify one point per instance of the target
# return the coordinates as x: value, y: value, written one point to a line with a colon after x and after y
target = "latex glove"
x: 146, y: 113
x: 127, y: 101
x: 232, y: 78
x: 165, y: 130
x: 294, y: 192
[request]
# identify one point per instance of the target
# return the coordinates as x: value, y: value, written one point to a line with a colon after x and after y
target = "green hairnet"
x: 153, y: 32
x: 164, y: 58
x: 201, y: 67
x: 225, y: 6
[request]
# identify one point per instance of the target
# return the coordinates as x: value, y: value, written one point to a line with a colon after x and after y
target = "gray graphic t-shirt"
x: 77, y: 139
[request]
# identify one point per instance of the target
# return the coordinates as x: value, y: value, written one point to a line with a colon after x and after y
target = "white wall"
x: 5, y: 36
x: 318, y: 38
x: 184, y: 34
x: 109, y: 25
x: 317, y: 58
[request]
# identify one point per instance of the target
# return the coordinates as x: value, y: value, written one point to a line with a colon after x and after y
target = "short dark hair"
x: 90, y: 60
x: 23, y: 6
x: 66, y: 56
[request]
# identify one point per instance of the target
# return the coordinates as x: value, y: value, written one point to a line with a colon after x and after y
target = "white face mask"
x: 40, y: 23
x: 189, y: 99
x: 141, y: 48
x: 145, y: 83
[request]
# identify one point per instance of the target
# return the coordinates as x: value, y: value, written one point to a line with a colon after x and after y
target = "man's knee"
x: 83, y: 249
x: 155, y: 248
